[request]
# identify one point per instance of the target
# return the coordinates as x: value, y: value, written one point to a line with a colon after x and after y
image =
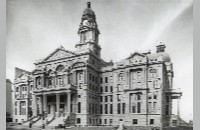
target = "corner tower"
x: 88, y: 32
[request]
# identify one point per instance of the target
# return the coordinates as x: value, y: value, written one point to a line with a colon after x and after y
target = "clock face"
x: 86, y: 23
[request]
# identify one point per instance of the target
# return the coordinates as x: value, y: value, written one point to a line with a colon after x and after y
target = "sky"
x: 35, y: 28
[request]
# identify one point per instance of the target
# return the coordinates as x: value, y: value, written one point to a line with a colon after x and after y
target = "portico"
x: 59, y: 104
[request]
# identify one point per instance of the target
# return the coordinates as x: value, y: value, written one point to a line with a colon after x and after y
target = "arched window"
x: 38, y: 81
x: 120, y: 77
x: 50, y: 81
x: 152, y: 73
x: 60, y: 68
x: 80, y: 75
x: 17, y: 89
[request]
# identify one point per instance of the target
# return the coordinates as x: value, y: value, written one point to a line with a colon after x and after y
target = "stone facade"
x: 85, y: 90
x: 8, y: 101
x: 22, y: 103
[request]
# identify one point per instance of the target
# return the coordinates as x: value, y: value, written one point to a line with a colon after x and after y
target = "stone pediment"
x: 36, y: 71
x: 137, y: 58
x: 23, y: 77
x: 59, y: 53
x: 78, y: 64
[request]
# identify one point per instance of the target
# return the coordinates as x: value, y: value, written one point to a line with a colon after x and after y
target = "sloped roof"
x: 165, y: 56
x: 58, y: 53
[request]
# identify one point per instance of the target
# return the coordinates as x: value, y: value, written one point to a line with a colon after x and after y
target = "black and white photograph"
x: 99, y: 64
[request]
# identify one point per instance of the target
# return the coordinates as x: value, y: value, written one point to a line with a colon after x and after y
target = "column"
x: 178, y: 106
x: 144, y: 74
x: 45, y: 104
x: 57, y: 104
x: 69, y: 102
x: 66, y: 104
x: 85, y: 76
x: 66, y: 79
x: 42, y: 81
x: 74, y: 78
x: 35, y: 105
x: 34, y: 83
x: 127, y: 79
x: 41, y: 106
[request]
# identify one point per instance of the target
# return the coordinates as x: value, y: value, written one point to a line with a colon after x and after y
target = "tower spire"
x: 88, y: 5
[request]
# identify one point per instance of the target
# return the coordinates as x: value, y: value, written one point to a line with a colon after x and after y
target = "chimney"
x: 160, y: 47
x: 88, y: 4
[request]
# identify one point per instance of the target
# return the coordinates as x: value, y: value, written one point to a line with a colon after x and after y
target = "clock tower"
x: 88, y: 32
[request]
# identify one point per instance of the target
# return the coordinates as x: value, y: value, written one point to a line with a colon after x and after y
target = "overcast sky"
x: 35, y: 28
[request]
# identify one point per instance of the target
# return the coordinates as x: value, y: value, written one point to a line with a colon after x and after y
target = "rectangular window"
x: 96, y: 79
x: 174, y: 122
x: 17, y: 89
x: 167, y: 99
x: 111, y: 121
x: 78, y: 120
x: 151, y: 121
x: 101, y: 89
x: 80, y: 85
x: 101, y: 80
x: 111, y: 88
x: 60, y: 80
x: 15, y: 103
x: 89, y: 108
x: 118, y: 108
x: 111, y: 108
x: 118, y: 87
x: 167, y: 110
x: 105, y: 121
x: 118, y: 97
x: 106, y: 88
x: 106, y: 108
x: 101, y: 98
x: 155, y: 95
x: 154, y: 107
x: 100, y: 121
x: 15, y: 111
x: 135, y: 121
x: 138, y: 97
x: 111, y: 98
x: 95, y: 108
x: 106, y: 98
x: 101, y: 109
x: 79, y: 107
x: 106, y: 79
x: 23, y: 111
x: 90, y: 77
x: 149, y: 107
x: 133, y: 109
x: 123, y: 108
x: 139, y: 107
x: 93, y: 78
x: 80, y: 76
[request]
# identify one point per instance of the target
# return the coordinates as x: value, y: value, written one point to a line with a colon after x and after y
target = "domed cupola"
x: 89, y: 32
x: 88, y: 20
x: 88, y: 11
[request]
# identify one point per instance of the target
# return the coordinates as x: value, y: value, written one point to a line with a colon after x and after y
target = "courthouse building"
x: 80, y: 88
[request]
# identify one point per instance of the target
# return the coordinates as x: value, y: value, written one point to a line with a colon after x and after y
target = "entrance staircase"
x: 56, y: 121
x: 33, y: 120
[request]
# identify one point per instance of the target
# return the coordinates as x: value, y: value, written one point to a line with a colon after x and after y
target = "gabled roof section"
x: 134, y: 54
x: 58, y: 53
x: 19, y: 72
